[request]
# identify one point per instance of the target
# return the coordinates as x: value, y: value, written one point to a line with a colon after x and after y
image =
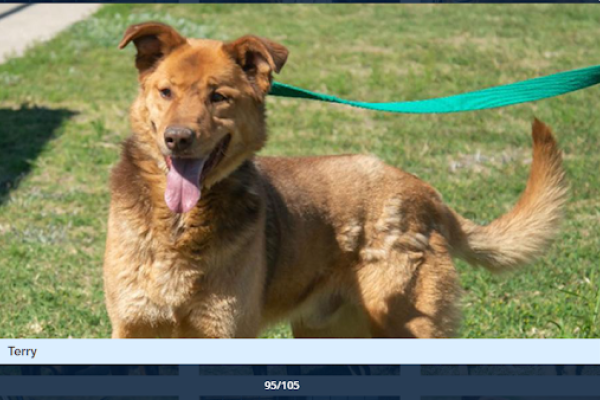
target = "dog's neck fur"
x: 227, y: 208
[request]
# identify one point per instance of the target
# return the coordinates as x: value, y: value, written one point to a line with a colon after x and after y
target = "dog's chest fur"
x: 164, y: 259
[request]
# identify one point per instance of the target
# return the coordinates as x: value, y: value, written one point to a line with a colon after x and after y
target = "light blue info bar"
x: 302, y: 351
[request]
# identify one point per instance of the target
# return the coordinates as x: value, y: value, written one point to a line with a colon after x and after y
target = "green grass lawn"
x: 64, y: 111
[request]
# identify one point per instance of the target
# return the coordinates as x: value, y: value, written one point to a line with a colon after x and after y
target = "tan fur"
x: 340, y: 246
x: 525, y: 232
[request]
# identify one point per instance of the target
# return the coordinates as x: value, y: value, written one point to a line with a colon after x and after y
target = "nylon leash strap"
x: 497, y: 96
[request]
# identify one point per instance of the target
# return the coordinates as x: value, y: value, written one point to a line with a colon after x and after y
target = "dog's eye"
x: 216, y: 97
x: 166, y: 93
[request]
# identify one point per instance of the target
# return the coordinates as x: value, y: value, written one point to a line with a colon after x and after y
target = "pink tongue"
x: 183, y: 184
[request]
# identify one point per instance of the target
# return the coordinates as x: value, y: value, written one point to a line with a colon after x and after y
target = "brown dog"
x: 207, y: 240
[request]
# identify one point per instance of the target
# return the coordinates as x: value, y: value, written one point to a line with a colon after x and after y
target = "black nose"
x: 178, y: 138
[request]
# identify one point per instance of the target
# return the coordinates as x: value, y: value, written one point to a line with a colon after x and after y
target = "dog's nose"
x: 178, y: 138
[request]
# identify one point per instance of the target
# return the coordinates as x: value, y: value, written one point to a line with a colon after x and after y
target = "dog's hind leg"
x: 411, y: 293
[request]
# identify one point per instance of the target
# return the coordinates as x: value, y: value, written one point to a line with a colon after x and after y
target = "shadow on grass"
x: 23, y: 134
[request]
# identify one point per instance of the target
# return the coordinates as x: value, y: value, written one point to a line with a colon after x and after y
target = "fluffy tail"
x: 524, y: 233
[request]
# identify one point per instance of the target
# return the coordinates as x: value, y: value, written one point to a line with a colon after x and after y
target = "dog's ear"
x: 153, y: 41
x: 259, y: 58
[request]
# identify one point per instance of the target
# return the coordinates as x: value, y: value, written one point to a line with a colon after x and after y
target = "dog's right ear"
x: 153, y: 41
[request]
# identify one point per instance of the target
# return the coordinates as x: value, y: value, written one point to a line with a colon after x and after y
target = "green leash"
x: 498, y: 96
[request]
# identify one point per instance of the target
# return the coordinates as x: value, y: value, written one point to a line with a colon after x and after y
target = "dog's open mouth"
x: 186, y: 176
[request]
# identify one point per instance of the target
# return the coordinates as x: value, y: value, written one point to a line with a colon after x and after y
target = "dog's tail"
x: 522, y: 234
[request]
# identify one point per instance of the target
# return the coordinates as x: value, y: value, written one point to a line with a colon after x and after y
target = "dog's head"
x: 201, y: 104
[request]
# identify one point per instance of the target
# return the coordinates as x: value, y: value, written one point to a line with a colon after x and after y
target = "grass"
x: 64, y: 106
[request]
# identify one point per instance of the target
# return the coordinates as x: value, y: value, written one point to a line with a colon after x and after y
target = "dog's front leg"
x: 215, y: 317
x: 123, y: 330
x: 230, y: 300
x: 221, y: 315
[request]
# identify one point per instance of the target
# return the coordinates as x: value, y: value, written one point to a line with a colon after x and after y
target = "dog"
x: 207, y: 240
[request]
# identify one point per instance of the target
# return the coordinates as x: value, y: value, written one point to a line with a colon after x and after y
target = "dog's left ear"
x: 259, y: 58
x: 153, y: 41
